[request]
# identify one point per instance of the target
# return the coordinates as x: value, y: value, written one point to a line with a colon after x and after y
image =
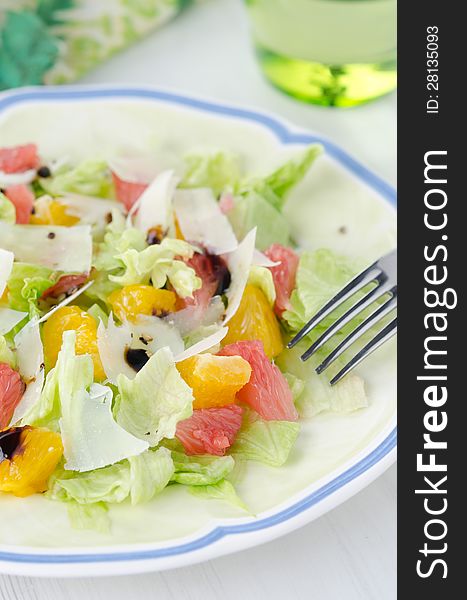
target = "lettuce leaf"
x: 89, y: 516
x: 216, y: 171
x: 7, y: 210
x: 150, y: 405
x: 276, y: 187
x: 140, y: 478
x: 269, y: 442
x: 320, y: 275
x: 150, y: 473
x: 26, y: 285
x: 222, y: 490
x: 200, y: 470
x: 117, y: 239
x: 71, y: 376
x: 262, y: 278
x: 252, y: 210
x: 157, y: 264
x: 317, y: 395
x: 90, y: 178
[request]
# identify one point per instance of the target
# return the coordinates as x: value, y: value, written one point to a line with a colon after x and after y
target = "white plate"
x: 336, y: 455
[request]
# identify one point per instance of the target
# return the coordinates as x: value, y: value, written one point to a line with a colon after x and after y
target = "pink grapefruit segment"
x: 23, y: 201
x: 127, y: 192
x: 284, y: 275
x: 11, y: 391
x: 267, y: 392
x: 19, y: 158
x: 210, y: 430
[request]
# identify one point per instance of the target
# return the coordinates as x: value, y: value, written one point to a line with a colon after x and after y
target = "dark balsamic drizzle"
x: 136, y: 358
x: 9, y: 442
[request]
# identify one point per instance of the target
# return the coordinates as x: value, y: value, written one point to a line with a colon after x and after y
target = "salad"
x: 144, y: 314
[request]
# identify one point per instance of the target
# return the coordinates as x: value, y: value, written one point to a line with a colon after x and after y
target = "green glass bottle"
x: 328, y: 52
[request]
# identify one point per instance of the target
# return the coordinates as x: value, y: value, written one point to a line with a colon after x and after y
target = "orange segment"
x: 72, y: 318
x: 134, y: 300
x: 51, y: 212
x: 33, y: 456
x: 255, y: 320
x: 214, y: 379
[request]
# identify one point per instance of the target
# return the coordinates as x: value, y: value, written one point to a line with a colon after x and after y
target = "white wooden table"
x: 350, y: 553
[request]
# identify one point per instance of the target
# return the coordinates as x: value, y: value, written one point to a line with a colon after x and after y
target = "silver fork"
x: 384, y: 274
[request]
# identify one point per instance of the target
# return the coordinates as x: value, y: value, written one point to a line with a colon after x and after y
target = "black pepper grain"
x: 44, y: 172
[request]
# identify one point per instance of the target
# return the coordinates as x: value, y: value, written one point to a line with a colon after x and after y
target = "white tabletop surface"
x: 350, y: 553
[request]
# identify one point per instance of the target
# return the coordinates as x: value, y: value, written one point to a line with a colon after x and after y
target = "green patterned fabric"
x: 56, y: 41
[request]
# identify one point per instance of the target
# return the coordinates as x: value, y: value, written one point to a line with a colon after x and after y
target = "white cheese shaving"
x: 66, y: 301
x: 91, y: 437
x: 59, y: 248
x: 9, y: 318
x: 7, y: 179
x: 6, y: 264
x: 203, y: 345
x: 201, y: 220
x: 239, y: 263
x: 113, y: 342
x: 30, y: 355
x: 89, y: 210
x: 148, y: 333
x: 155, y: 203
x: 261, y: 260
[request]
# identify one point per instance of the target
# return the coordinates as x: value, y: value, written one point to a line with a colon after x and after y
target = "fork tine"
x: 375, y: 316
x: 382, y: 288
x: 380, y: 338
x: 357, y: 283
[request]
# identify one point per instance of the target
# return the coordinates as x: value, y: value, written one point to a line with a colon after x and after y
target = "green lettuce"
x: 222, y: 490
x: 252, y: 210
x: 71, y: 376
x: 316, y: 394
x: 200, y: 470
x: 90, y: 178
x: 7, y: 210
x: 139, y: 478
x: 89, y: 516
x: 276, y: 187
x: 217, y: 171
x: 157, y: 265
x: 117, y: 239
x: 150, y: 405
x: 261, y: 277
x: 26, y: 285
x: 320, y: 275
x: 6, y: 354
x: 268, y: 442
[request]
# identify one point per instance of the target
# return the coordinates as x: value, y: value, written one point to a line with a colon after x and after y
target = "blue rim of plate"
x: 286, y: 136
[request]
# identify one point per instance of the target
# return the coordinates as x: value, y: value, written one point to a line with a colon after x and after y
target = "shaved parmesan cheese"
x: 239, y: 263
x: 30, y: 355
x: 201, y: 220
x: 113, y: 343
x: 203, y: 345
x: 261, y: 260
x: 89, y: 210
x: 148, y: 334
x: 59, y: 248
x: 91, y: 437
x: 152, y: 334
x: 6, y: 264
x: 155, y: 203
x: 66, y: 301
x: 9, y: 318
x: 7, y: 179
